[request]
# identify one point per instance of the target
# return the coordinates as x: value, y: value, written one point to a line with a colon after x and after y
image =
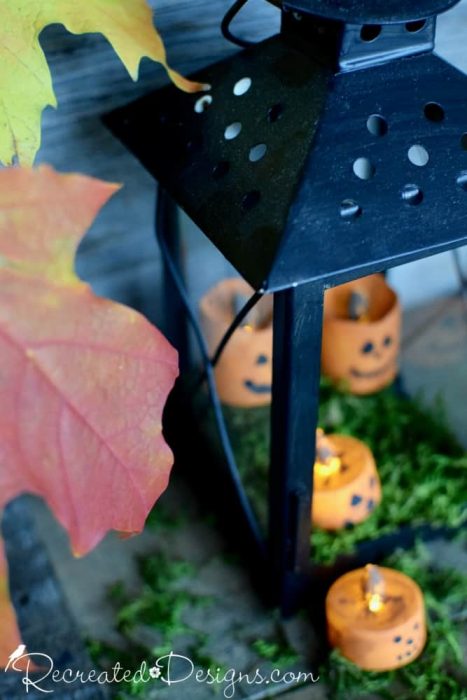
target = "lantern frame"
x: 325, y: 68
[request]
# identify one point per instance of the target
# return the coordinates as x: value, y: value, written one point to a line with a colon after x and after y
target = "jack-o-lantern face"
x: 257, y: 388
x: 382, y: 640
x: 371, y: 352
x: 347, y: 492
x: 362, y: 354
x: 244, y: 372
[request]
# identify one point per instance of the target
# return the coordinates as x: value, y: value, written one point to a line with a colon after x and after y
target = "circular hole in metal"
x: 275, y: 113
x: 220, y: 170
x: 418, y: 155
x: 250, y: 200
x: 464, y: 141
x: 232, y: 131
x: 434, y: 112
x: 462, y: 180
x: 370, y: 32
x: 257, y: 152
x: 412, y: 194
x: 377, y: 125
x: 416, y: 26
x: 350, y: 210
x: 364, y: 168
x: 242, y: 86
x: 203, y: 103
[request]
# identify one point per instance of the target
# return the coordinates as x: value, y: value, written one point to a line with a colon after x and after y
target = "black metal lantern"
x: 336, y: 149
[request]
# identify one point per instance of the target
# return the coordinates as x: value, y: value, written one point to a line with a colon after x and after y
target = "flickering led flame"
x: 375, y: 603
x: 327, y: 462
x: 374, y: 588
x: 330, y: 466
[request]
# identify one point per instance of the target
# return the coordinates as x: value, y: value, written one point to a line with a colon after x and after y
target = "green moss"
x: 422, y: 466
x: 160, y: 604
x: 439, y: 673
x: 277, y: 651
x: 163, y: 517
x: 249, y: 434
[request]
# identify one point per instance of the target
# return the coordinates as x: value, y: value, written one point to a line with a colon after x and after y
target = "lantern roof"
x: 366, y: 11
x: 300, y: 172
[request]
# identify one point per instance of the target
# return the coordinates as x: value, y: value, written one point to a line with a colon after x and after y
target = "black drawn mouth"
x: 257, y: 388
x: 370, y: 375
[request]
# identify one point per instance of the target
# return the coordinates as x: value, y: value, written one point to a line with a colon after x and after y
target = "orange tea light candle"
x: 361, y: 335
x: 376, y: 618
x: 346, y: 487
x: 244, y: 371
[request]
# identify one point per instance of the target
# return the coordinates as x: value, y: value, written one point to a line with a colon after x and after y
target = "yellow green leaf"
x: 25, y: 80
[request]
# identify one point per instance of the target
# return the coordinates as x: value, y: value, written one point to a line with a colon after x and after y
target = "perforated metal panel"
x: 232, y: 158
x: 403, y: 129
x: 299, y: 175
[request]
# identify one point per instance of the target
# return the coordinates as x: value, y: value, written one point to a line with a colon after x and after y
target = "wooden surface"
x: 118, y: 256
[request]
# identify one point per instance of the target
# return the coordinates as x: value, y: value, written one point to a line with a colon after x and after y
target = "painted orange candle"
x: 361, y: 335
x: 244, y: 371
x: 376, y: 618
x: 347, y: 488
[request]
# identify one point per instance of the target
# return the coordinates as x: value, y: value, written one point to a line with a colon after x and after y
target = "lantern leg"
x: 298, y: 317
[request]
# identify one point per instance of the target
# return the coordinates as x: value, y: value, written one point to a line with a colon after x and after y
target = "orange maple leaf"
x: 83, y: 380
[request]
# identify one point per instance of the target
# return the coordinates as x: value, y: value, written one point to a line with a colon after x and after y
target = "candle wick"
x: 327, y: 461
x: 359, y: 306
x: 374, y: 588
